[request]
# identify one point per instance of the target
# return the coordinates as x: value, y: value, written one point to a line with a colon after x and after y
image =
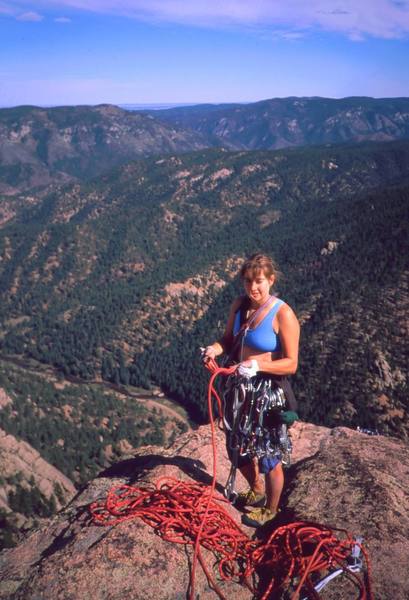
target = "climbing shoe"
x: 250, y: 498
x: 258, y: 517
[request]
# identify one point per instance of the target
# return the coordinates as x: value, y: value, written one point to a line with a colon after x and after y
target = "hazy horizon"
x: 165, y: 105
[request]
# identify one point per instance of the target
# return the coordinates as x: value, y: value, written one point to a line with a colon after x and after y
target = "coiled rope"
x: 193, y: 514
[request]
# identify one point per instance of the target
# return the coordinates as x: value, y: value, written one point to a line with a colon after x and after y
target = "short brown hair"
x: 260, y: 262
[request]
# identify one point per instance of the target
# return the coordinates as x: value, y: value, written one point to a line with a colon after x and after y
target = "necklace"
x: 256, y: 311
x: 250, y: 321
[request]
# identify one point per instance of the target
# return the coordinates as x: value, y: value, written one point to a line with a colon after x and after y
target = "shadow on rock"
x: 137, y: 468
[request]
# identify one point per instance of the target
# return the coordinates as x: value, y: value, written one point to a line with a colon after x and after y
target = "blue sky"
x: 178, y: 51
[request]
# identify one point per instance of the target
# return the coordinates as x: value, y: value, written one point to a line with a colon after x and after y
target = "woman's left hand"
x: 248, y: 368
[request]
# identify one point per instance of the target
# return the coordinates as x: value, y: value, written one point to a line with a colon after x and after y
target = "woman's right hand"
x: 209, y: 353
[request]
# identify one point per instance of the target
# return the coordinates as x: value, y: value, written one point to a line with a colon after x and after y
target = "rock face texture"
x: 339, y: 477
x: 21, y: 463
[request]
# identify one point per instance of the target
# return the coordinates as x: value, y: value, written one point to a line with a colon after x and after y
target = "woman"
x: 262, y: 336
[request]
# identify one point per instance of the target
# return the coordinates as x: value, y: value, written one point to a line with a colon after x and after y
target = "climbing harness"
x: 253, y: 424
x: 193, y: 514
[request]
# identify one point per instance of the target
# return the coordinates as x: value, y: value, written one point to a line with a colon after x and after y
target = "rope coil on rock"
x: 193, y: 514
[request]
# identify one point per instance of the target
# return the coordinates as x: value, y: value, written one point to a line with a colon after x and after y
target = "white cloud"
x: 62, y: 20
x: 30, y: 16
x: 352, y: 18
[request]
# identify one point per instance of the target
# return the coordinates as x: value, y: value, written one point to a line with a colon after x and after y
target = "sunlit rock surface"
x: 339, y: 477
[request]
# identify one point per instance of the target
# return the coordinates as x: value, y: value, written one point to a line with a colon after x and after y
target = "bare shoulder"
x: 286, y: 315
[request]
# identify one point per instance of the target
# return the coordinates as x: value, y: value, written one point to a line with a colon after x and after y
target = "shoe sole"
x: 246, y: 520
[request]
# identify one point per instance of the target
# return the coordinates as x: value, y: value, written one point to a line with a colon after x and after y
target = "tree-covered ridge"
x: 287, y: 122
x: 23, y: 500
x: 154, y: 213
x: 79, y: 429
x: 88, y: 275
x: 346, y: 275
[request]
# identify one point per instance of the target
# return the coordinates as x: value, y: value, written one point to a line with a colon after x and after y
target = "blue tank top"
x: 262, y: 337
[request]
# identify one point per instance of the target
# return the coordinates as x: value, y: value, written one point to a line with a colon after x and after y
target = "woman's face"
x: 257, y: 286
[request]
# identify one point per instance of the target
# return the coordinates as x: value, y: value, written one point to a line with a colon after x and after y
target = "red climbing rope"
x: 193, y: 514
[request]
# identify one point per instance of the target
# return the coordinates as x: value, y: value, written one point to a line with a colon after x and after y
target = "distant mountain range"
x: 287, y: 122
x: 155, y: 106
x: 40, y: 146
x: 44, y: 146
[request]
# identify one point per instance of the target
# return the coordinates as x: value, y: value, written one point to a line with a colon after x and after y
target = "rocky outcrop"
x: 5, y: 399
x: 339, y: 477
x: 21, y: 465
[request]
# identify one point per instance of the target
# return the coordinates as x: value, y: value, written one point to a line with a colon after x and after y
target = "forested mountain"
x: 126, y: 276
x: 285, y: 122
x: 40, y: 146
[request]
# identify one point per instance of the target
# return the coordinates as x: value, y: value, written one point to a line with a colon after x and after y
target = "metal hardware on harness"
x: 249, y: 404
x: 229, y: 489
